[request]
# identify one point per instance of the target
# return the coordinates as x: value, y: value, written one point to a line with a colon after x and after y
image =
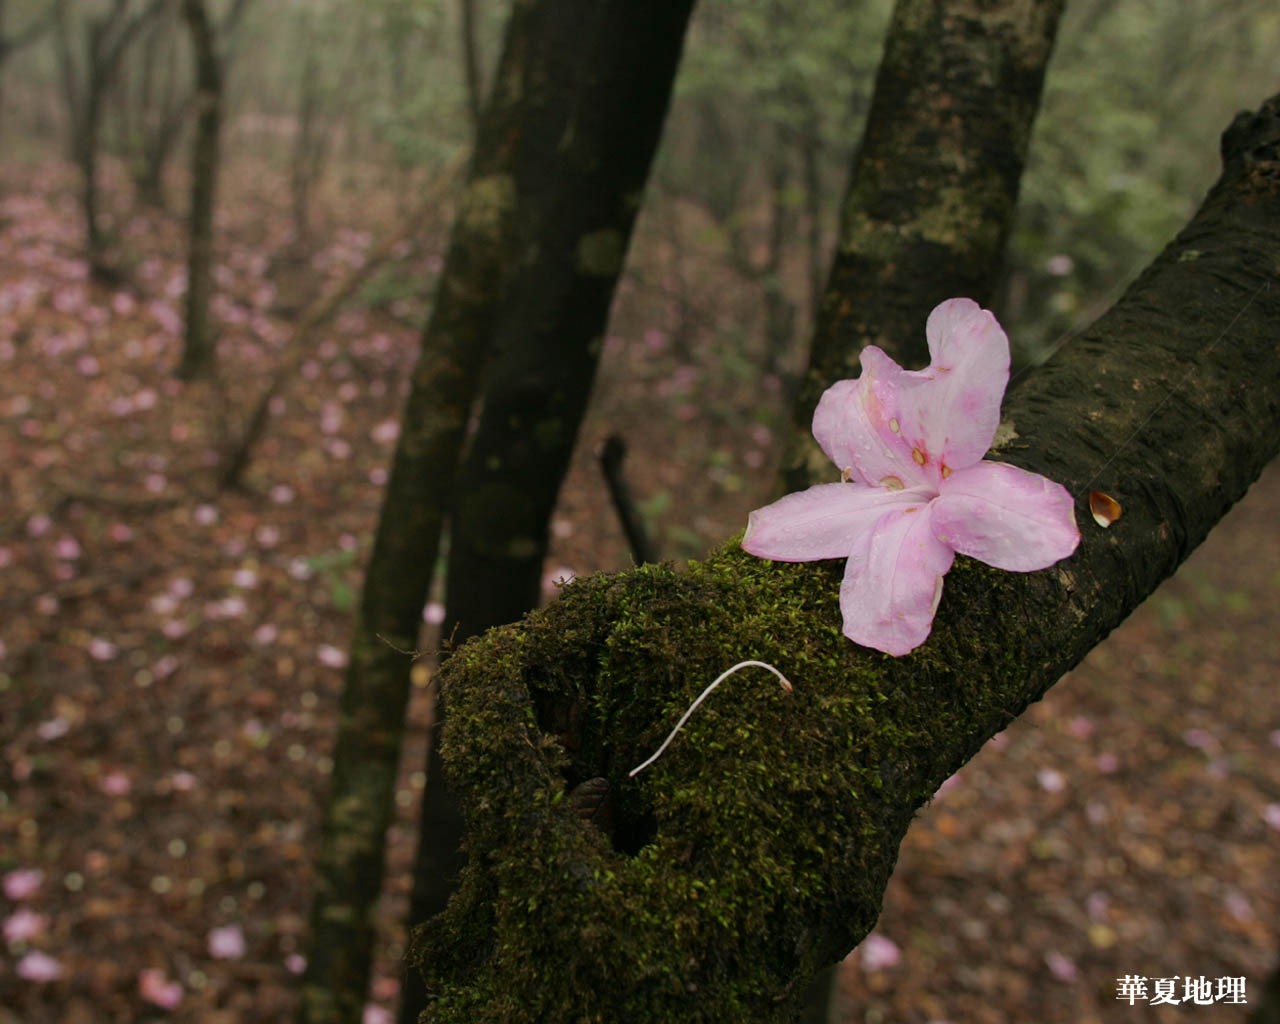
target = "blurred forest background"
x: 180, y: 559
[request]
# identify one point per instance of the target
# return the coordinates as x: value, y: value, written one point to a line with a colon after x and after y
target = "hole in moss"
x: 632, y: 833
x: 630, y: 825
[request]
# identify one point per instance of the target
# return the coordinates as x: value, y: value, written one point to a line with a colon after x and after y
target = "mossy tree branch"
x: 758, y: 849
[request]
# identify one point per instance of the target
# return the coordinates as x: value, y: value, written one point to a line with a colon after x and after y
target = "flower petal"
x: 1006, y: 517
x: 893, y: 581
x: 823, y: 522
x: 950, y: 417
x: 858, y: 425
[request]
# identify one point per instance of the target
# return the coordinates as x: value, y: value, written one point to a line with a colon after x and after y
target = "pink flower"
x: 155, y: 987
x: 916, y: 490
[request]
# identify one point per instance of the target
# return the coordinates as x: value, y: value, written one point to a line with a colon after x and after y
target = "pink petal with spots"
x: 951, y: 414
x: 893, y: 582
x: 1006, y: 517
x: 858, y: 424
x: 823, y: 522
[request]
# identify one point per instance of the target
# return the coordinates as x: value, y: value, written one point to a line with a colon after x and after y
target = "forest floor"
x: 171, y: 657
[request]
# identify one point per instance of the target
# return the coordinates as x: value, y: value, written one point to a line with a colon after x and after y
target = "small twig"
x: 786, y: 685
x: 611, y: 457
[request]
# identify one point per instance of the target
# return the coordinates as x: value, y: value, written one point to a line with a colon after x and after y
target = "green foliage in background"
x: 1118, y: 159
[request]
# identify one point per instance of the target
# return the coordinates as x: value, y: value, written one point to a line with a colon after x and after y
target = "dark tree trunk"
x: 198, y: 353
x: 759, y: 849
x: 935, y: 179
x: 86, y: 78
x: 593, y: 96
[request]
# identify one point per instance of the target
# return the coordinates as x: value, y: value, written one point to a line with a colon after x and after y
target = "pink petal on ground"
x: 331, y: 657
x: 116, y: 784
x: 295, y: 963
x: 227, y: 942
x: 155, y: 988
x: 375, y: 1014
x: 266, y: 634
x: 68, y: 548
x: 825, y: 521
x: 1006, y: 517
x: 183, y: 782
x: 102, y: 650
x: 1271, y: 815
x: 23, y: 925
x: 39, y: 967
x: 54, y: 728
x: 1051, y: 780
x: 1062, y: 968
x: 893, y: 582
x: 22, y: 883
x: 879, y: 953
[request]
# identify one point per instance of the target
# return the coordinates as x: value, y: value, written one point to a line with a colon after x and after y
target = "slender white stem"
x: 786, y: 685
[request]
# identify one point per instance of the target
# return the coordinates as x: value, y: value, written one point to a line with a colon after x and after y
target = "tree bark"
x: 592, y: 99
x: 759, y: 848
x: 198, y: 351
x: 930, y: 201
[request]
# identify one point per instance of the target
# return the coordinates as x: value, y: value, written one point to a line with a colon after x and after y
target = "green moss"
x: 760, y: 843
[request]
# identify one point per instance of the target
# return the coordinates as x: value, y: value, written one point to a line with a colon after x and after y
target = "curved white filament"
x: 786, y: 685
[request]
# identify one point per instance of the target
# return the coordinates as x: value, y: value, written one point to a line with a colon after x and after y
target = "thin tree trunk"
x: 86, y: 80
x: 594, y: 96
x: 199, y: 353
x: 759, y: 849
x: 308, y: 148
x: 929, y: 204
x: 471, y: 62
